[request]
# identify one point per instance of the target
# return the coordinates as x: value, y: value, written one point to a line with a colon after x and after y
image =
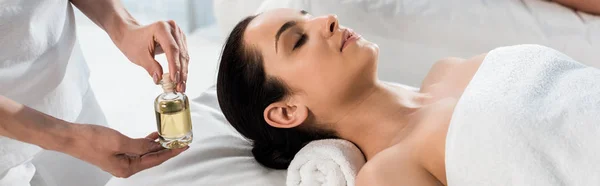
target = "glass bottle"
x: 173, y: 118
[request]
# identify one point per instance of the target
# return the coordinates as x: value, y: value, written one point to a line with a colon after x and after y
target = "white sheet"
x: 528, y: 117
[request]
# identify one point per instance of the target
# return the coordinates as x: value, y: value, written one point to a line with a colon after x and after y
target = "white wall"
x: 189, y: 14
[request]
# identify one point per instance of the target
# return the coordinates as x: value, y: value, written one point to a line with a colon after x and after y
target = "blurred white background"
x: 125, y: 91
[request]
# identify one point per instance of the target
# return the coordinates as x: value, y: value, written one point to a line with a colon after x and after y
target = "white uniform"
x: 41, y: 66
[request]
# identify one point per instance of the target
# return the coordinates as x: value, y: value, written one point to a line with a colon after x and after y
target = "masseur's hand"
x: 141, y: 43
x: 116, y: 153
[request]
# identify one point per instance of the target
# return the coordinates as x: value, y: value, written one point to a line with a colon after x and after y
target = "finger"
x: 140, y: 146
x: 185, y: 62
x: 169, y: 45
x: 152, y: 136
x: 154, y: 159
x: 185, y: 58
x: 153, y: 68
x: 177, y: 35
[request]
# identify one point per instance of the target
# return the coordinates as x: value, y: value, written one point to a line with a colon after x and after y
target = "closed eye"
x: 300, y: 41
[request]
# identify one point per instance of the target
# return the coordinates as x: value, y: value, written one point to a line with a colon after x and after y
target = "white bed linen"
x: 528, y: 117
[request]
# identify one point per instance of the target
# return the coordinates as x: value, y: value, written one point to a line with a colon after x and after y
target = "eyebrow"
x: 284, y: 27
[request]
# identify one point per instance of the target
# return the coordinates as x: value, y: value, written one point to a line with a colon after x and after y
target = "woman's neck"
x: 380, y: 119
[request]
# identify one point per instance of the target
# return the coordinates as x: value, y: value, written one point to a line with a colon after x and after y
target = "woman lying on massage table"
x: 287, y: 78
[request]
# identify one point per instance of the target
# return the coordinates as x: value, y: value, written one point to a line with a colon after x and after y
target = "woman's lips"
x: 348, y: 37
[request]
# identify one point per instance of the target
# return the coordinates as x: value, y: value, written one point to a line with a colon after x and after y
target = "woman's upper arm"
x: 390, y: 168
x: 368, y: 176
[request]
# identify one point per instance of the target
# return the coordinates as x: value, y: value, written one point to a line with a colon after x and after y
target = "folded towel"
x: 530, y: 116
x: 329, y: 162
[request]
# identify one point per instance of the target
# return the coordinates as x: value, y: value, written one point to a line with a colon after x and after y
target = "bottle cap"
x: 166, y: 83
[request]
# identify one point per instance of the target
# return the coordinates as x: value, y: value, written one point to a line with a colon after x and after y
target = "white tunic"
x: 41, y: 65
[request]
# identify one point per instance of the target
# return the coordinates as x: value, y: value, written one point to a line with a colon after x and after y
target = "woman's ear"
x: 283, y: 114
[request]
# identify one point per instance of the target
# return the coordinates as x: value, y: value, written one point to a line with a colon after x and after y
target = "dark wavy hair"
x: 244, y: 91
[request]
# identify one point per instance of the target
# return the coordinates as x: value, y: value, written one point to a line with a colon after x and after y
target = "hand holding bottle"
x: 103, y: 147
x: 140, y: 43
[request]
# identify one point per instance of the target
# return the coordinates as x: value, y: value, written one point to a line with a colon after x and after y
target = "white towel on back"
x: 530, y: 116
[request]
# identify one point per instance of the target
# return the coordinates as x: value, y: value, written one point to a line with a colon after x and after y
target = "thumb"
x: 153, y: 68
x: 141, y: 146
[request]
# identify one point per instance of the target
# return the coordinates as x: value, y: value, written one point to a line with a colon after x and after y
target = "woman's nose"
x: 331, y: 25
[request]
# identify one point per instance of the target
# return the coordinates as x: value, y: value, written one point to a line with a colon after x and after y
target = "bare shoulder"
x: 450, y: 66
x: 464, y: 72
x: 476, y: 60
x: 438, y: 70
x: 369, y: 175
x: 394, y: 166
x: 453, y: 61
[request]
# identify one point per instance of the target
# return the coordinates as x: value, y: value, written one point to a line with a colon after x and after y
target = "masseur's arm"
x: 104, y: 147
x: 141, y: 42
x: 590, y: 6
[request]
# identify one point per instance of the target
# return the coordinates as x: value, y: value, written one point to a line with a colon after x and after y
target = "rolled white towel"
x: 329, y: 162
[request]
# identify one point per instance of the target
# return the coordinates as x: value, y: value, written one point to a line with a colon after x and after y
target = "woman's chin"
x: 362, y: 53
x: 369, y: 46
x: 369, y: 56
x: 375, y: 49
x: 370, y: 51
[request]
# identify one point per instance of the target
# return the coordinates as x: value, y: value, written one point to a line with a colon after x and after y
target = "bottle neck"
x: 170, y: 95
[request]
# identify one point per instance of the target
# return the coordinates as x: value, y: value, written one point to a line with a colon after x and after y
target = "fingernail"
x: 155, y: 77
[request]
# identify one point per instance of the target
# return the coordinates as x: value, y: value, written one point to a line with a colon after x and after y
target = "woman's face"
x: 324, y: 64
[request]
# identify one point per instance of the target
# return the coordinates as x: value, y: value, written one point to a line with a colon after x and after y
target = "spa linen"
x: 530, y: 116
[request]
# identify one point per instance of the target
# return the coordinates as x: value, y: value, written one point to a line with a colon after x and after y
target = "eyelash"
x: 301, y: 41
